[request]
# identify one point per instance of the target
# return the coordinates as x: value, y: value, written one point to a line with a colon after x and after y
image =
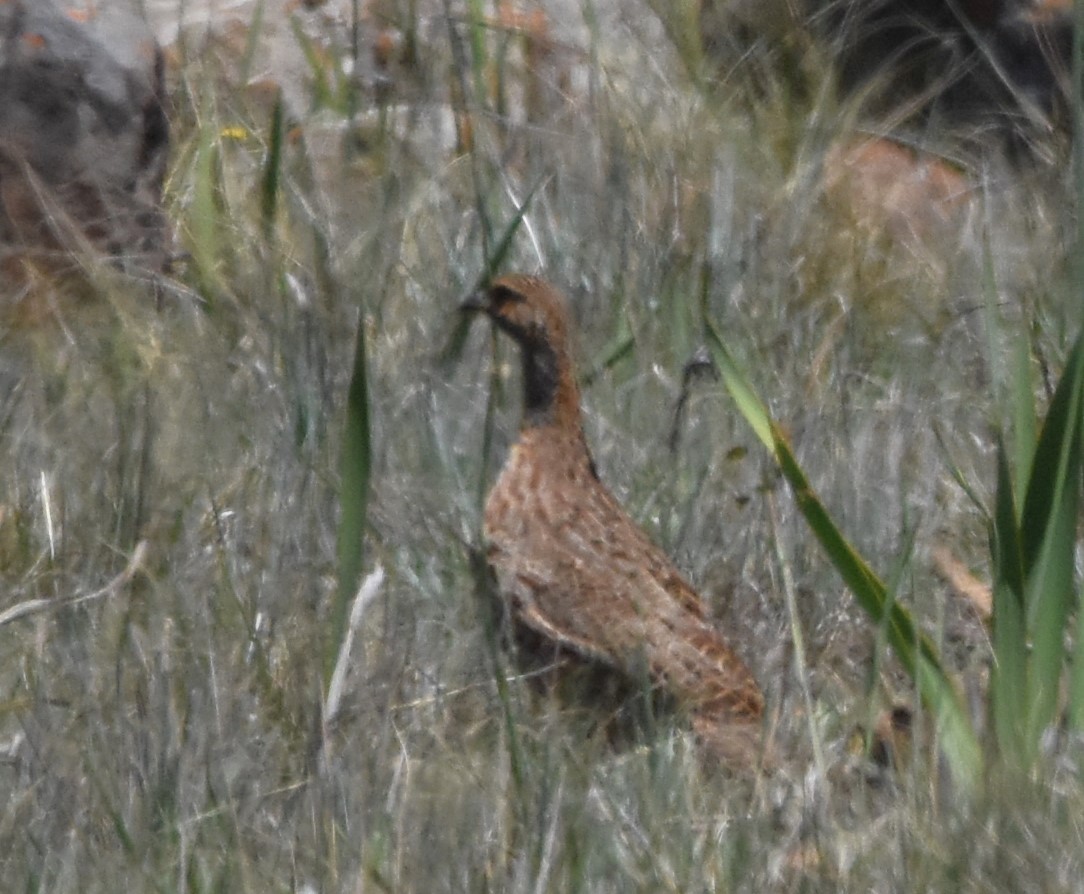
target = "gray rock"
x: 83, y: 135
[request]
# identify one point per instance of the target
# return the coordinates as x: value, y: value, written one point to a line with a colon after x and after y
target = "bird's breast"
x: 540, y: 490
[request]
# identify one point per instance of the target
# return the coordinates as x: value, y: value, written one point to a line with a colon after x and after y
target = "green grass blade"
x: 957, y: 474
x: 252, y: 41
x: 750, y: 405
x: 1007, y: 693
x: 356, y: 473
x: 1034, y: 563
x: 914, y: 650
x: 1022, y: 395
x: 1076, y: 686
x: 495, y: 257
x: 492, y: 618
x: 320, y: 85
x: 1006, y: 548
x: 205, y: 219
x: 494, y: 398
x: 1076, y: 681
x: 271, y: 181
x: 1011, y: 378
x: 477, y: 30
x: 1009, y: 633
x: 1050, y: 591
x: 1048, y: 530
x: 1077, y: 103
x: 1047, y: 474
x: 617, y: 350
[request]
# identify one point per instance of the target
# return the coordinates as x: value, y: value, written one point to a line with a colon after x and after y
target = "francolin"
x: 574, y: 570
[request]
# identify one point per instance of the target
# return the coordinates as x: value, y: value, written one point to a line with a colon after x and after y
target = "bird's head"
x: 528, y: 308
x: 534, y: 314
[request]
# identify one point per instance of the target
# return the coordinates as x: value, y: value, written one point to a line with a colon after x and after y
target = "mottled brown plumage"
x: 572, y: 567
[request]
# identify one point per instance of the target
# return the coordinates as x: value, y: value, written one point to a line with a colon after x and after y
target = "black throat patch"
x: 540, y: 376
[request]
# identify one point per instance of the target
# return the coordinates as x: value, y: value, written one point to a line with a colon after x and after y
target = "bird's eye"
x: 501, y: 295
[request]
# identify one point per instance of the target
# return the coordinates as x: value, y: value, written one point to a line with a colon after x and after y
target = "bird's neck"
x: 550, y: 395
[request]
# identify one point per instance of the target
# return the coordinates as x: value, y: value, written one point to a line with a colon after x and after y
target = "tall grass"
x: 287, y: 417
x: 1032, y: 555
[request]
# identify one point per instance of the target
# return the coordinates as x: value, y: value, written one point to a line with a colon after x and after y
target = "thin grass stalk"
x: 619, y: 347
x: 320, y: 85
x: 957, y: 474
x: 801, y: 663
x: 477, y: 29
x: 367, y: 592
x: 1005, y: 387
x: 252, y: 41
x: 497, y: 253
x: 493, y: 259
x: 355, y: 35
x: 880, y: 642
x: 463, y: 93
x: 486, y: 588
x: 494, y: 398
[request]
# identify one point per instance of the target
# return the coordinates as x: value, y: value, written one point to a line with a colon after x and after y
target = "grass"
x: 168, y: 735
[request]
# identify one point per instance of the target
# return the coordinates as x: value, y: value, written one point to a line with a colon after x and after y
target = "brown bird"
x: 574, y: 569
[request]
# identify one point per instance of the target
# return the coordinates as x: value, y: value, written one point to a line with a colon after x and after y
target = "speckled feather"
x: 573, y: 567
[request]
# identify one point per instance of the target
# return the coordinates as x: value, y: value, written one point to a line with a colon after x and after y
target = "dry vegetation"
x: 165, y: 733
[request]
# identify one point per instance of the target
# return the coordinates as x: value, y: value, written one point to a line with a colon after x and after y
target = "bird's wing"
x: 688, y: 653
x: 636, y: 603
x: 544, y: 602
x: 627, y: 543
x: 575, y: 568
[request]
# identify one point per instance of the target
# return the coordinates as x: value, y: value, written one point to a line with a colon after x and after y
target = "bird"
x: 573, y: 570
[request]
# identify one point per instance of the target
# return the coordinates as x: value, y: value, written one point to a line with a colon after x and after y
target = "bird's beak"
x: 476, y: 303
